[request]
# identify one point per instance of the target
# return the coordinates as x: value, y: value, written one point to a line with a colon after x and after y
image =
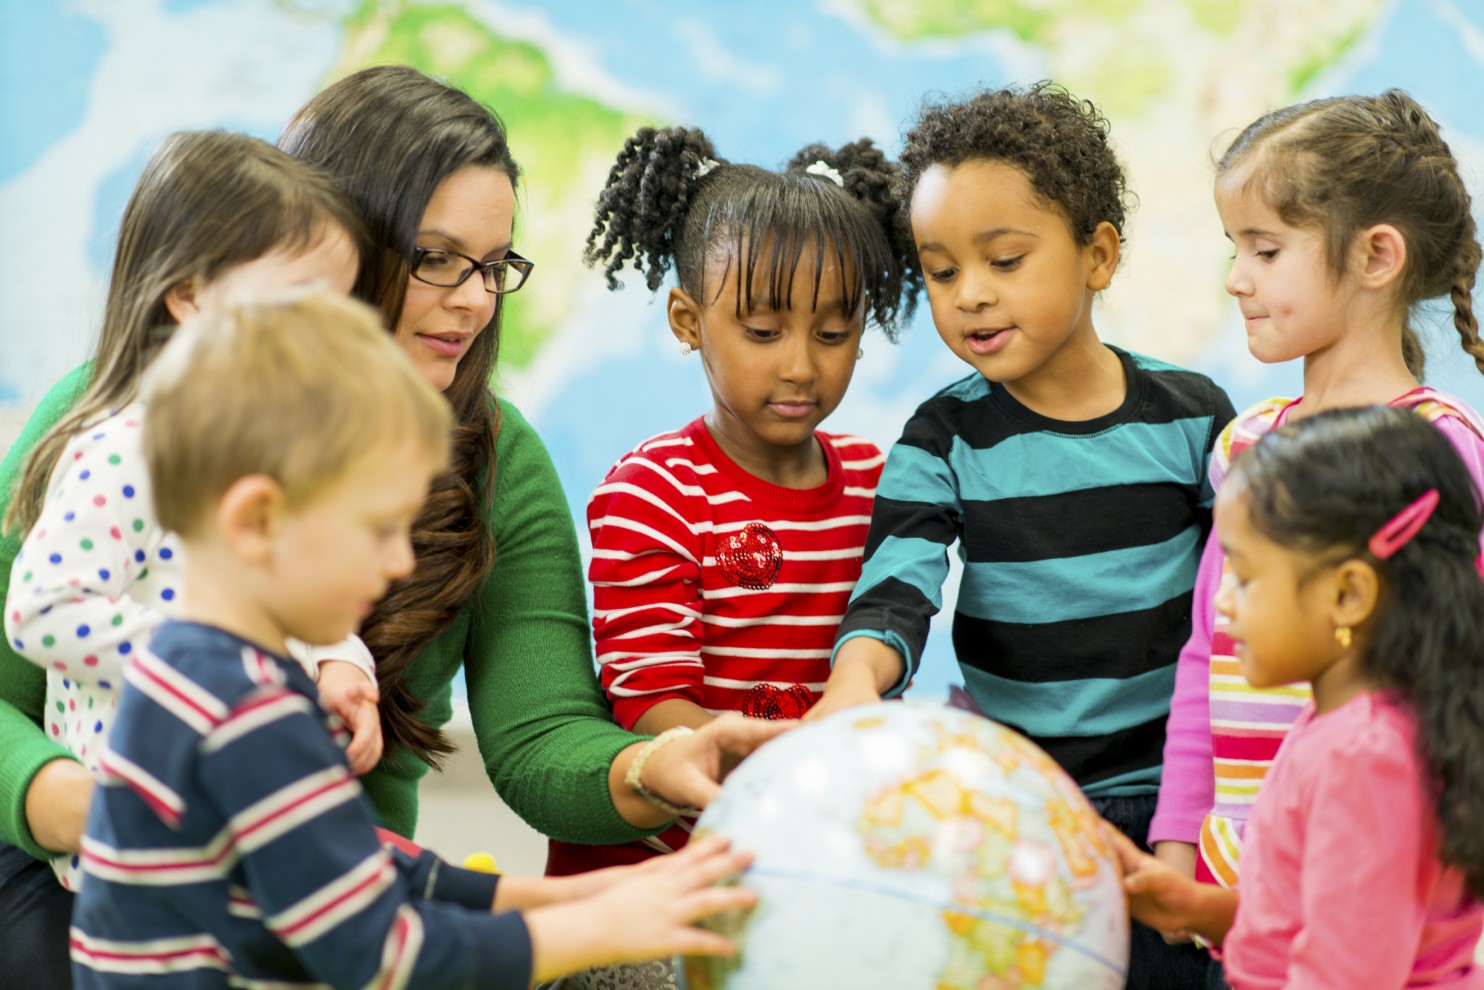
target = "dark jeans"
x: 1153, y: 964
x: 35, y: 913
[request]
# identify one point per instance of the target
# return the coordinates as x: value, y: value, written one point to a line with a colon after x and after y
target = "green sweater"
x: 544, y: 729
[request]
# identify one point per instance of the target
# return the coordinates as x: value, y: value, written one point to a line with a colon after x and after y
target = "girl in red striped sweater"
x: 724, y: 552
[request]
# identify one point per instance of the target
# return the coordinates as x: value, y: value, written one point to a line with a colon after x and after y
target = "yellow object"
x: 483, y: 862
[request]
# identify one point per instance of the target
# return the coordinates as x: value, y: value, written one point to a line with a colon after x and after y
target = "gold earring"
x: 1342, y: 636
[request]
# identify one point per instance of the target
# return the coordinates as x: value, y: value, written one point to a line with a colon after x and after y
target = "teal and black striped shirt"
x: 1080, y: 542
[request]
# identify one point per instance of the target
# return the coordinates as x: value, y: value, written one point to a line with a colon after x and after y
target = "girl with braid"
x: 1345, y: 213
x: 724, y: 551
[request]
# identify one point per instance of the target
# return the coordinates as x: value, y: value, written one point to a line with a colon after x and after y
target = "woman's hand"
x: 346, y: 691
x: 57, y: 805
x: 688, y: 771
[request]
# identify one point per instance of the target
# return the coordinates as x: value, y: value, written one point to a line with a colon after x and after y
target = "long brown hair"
x: 389, y: 135
x: 1350, y: 162
x: 206, y: 202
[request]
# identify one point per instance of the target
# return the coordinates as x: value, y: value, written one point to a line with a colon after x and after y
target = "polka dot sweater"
x: 94, y: 578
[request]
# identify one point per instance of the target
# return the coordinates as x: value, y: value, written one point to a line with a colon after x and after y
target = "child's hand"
x: 647, y: 912
x: 1159, y: 895
x: 346, y: 691
x: 863, y: 669
x: 1179, y: 856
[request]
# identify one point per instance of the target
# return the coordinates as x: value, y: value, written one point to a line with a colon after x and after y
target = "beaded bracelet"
x: 634, y: 777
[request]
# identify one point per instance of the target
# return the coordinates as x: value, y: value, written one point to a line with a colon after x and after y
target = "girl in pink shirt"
x: 1352, y: 540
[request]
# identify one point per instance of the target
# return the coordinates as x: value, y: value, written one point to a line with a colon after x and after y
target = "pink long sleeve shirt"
x: 1188, y: 789
x: 1341, y: 882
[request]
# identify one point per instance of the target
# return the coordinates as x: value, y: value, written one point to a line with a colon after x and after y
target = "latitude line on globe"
x: 1061, y: 940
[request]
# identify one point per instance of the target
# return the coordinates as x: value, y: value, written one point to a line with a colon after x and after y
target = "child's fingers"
x: 698, y: 942
x: 715, y: 900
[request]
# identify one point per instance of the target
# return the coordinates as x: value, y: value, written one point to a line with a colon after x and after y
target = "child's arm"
x: 916, y: 518
x: 864, y: 669
x: 1166, y: 899
x: 72, y: 604
x: 647, y: 608
x: 1187, y: 789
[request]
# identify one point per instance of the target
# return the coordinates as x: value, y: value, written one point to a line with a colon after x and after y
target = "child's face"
x: 776, y: 372
x: 1274, y: 599
x: 471, y: 212
x: 334, y: 557
x: 1008, y: 285
x: 331, y: 261
x: 1289, y: 298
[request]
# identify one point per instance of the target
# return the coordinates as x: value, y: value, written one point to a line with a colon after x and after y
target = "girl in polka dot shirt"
x: 215, y: 218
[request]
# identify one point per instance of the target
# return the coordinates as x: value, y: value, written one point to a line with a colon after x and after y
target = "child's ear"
x: 1357, y: 589
x: 180, y: 300
x: 249, y: 517
x: 685, y: 318
x: 1103, y: 252
x: 1383, y: 255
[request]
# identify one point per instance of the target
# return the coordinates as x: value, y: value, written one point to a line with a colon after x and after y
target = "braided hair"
x: 1350, y: 162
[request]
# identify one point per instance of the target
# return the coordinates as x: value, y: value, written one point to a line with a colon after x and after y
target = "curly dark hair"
x: 670, y: 201
x: 1346, y: 163
x: 1057, y: 140
x: 1322, y: 487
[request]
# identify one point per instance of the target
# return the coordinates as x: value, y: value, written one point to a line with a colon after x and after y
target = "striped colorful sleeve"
x: 645, y: 573
x: 916, y: 518
x: 352, y: 913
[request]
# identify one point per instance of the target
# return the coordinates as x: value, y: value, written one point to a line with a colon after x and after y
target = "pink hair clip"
x: 1403, y: 526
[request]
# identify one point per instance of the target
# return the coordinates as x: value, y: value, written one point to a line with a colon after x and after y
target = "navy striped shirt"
x: 1080, y: 542
x: 228, y: 845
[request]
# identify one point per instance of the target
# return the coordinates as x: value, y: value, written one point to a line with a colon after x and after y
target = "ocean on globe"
x: 915, y: 847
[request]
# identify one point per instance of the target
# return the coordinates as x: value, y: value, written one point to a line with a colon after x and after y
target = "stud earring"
x: 685, y: 348
x: 860, y: 353
x: 1342, y: 636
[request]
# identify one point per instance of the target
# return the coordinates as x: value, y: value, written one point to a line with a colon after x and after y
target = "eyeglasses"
x: 449, y: 269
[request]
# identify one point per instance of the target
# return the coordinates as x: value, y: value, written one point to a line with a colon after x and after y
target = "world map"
x: 88, y: 88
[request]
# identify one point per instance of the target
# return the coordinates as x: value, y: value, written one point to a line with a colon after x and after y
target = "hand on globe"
x: 1167, y: 900
x: 688, y: 772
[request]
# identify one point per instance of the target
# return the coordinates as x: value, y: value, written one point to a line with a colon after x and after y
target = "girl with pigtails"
x: 724, y: 551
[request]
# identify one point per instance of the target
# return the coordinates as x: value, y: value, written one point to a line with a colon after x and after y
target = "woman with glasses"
x: 498, y: 588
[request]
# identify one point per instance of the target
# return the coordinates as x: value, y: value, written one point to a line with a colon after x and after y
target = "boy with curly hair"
x: 1071, y: 473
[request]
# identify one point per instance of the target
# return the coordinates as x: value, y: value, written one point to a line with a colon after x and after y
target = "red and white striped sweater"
x: 717, y: 587
x: 714, y: 586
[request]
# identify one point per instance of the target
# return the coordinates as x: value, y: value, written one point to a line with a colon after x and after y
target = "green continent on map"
x: 565, y: 142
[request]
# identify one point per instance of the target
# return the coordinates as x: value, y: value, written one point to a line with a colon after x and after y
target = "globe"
x: 909, y: 846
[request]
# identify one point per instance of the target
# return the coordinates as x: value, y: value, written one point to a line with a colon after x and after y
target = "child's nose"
x: 976, y: 288
x: 798, y: 360
x: 401, y: 561
x: 1237, y: 282
x: 1223, y: 600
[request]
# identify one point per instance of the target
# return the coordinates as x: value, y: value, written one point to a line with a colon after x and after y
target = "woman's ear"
x: 1357, y: 589
x: 250, y: 515
x: 1383, y: 255
x: 685, y: 318
x: 1103, y: 253
x: 180, y: 300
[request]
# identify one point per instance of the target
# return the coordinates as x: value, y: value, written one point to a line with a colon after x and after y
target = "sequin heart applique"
x: 751, y: 557
x: 767, y: 701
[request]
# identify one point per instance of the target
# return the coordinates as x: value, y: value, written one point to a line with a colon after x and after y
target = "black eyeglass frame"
x: 514, y: 262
